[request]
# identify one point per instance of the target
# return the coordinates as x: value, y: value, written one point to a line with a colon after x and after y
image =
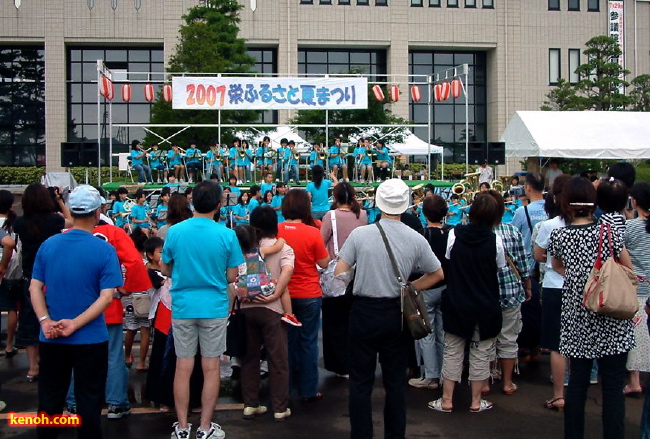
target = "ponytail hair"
x: 344, y: 194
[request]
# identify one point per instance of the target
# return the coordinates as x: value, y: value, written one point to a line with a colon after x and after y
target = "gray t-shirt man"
x: 374, y: 275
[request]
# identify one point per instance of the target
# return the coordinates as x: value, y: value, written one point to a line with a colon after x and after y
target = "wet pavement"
x: 520, y: 416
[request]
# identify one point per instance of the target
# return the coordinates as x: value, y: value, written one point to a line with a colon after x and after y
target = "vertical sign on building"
x: 616, y: 30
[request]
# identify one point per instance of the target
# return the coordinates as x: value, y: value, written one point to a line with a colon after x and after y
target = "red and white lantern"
x: 378, y: 92
x: 126, y: 92
x: 149, y: 93
x: 456, y: 88
x: 441, y: 91
x: 106, y: 88
x: 167, y: 92
x: 394, y: 93
x: 415, y: 93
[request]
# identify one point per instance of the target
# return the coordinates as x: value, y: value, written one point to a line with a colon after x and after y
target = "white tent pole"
x: 99, y: 116
x: 429, y: 126
x: 466, y: 122
x: 110, y: 143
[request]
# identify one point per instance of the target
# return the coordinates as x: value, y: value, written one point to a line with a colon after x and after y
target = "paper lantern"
x: 149, y: 93
x: 126, y: 92
x: 379, y: 93
x: 106, y: 88
x: 456, y: 88
x: 394, y: 93
x: 441, y: 91
x: 167, y: 92
x: 415, y: 93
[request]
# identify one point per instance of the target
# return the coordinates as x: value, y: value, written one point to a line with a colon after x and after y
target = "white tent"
x: 413, y: 145
x: 276, y: 135
x: 578, y: 134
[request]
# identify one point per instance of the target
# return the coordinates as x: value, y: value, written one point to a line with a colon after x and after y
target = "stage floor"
x: 152, y: 187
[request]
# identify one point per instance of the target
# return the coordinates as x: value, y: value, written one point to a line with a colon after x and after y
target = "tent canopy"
x: 578, y: 134
x: 413, y: 145
x: 276, y: 135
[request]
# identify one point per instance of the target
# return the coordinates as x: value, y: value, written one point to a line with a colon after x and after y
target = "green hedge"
x: 33, y: 174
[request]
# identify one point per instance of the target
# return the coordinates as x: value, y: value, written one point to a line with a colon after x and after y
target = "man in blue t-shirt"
x: 200, y: 302
x: 73, y: 332
x: 526, y: 217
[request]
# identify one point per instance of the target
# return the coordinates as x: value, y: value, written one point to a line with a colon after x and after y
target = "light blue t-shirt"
x: 537, y: 213
x: 161, y: 210
x: 266, y: 187
x: 243, y: 211
x: 457, y: 217
x: 139, y: 213
x: 276, y: 204
x: 76, y: 266
x: 320, y: 196
x: 137, y: 157
x: 118, y: 208
x: 199, y: 270
x: 253, y: 204
x: 508, y: 213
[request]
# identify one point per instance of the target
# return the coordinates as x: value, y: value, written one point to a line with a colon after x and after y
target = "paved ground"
x: 519, y: 416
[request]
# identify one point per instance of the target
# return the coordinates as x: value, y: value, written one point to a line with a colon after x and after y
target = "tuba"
x: 128, y: 206
x: 458, y: 189
x: 497, y: 185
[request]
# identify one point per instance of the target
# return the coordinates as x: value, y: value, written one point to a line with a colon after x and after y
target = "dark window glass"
x: 593, y: 5
x: 574, y: 5
x: 434, y: 3
x: 488, y: 4
x: 452, y: 3
x: 553, y: 5
x: 448, y: 117
x: 325, y: 2
x: 266, y: 63
x: 363, y: 2
x: 22, y: 105
x: 344, y: 2
x: 306, y: 2
x: 323, y: 61
x: 381, y: 2
x: 554, y: 66
x: 470, y: 3
x: 141, y: 63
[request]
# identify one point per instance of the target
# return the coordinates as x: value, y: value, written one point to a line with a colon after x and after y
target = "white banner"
x: 616, y: 30
x: 253, y: 93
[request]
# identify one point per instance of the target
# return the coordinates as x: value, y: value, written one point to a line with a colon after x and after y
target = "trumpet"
x: 242, y: 153
x: 296, y: 155
x: 322, y: 155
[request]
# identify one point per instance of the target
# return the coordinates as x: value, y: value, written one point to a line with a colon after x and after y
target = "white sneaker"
x: 282, y: 416
x: 214, y: 432
x: 181, y: 433
x: 251, y: 412
x: 424, y: 383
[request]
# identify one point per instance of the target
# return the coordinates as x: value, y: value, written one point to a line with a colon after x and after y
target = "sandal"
x: 551, y: 404
x: 511, y: 391
x: 317, y: 397
x: 483, y: 406
x: 10, y: 354
x: 628, y: 391
x: 437, y: 406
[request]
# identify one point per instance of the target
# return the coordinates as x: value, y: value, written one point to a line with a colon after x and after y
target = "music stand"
x: 229, y: 200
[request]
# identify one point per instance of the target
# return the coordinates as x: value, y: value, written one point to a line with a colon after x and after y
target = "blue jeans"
x: 292, y: 172
x: 143, y: 170
x: 303, y: 346
x: 117, y: 380
x: 432, y: 346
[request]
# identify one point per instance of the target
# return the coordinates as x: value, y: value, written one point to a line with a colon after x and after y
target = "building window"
x: 452, y: 3
x: 332, y: 61
x: 448, y: 117
x: 142, y: 63
x: 488, y: 4
x: 306, y: 2
x: 574, y: 5
x: 574, y: 63
x: 325, y: 2
x: 266, y: 62
x: 363, y: 2
x: 593, y: 5
x: 416, y: 2
x: 553, y: 5
x: 434, y: 3
x: 381, y: 2
x: 554, y: 73
x: 470, y: 3
x: 22, y: 106
x: 344, y: 2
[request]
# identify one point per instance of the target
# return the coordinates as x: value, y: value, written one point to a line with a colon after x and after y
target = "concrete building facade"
x: 517, y: 50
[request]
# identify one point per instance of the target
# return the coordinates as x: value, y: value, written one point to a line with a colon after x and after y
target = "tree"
x: 376, y: 113
x: 208, y: 43
x: 641, y: 93
x: 562, y: 98
x: 601, y: 77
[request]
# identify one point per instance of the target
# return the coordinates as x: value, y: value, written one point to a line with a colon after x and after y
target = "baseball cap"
x: 84, y: 199
x: 393, y: 196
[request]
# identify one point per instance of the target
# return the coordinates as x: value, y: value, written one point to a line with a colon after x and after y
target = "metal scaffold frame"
x: 428, y: 81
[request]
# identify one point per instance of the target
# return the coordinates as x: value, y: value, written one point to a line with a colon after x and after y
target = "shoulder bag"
x: 236, y: 331
x: 611, y: 287
x: 330, y: 285
x: 141, y: 304
x: 413, y: 307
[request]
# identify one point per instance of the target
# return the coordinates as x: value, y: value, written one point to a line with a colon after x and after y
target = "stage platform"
x: 132, y: 187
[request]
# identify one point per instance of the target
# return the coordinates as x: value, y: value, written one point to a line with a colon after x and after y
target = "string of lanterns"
x: 107, y: 89
x: 441, y: 91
